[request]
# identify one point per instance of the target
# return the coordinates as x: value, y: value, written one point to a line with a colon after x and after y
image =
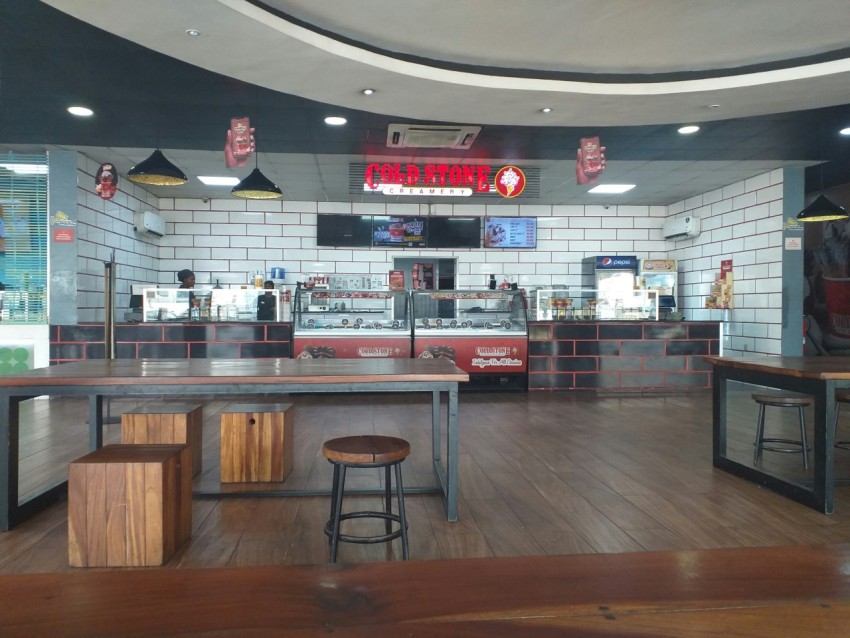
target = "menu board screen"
x: 408, y: 232
x: 510, y: 232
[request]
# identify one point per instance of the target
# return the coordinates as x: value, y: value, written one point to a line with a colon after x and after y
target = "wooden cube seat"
x: 257, y: 442
x: 167, y: 423
x: 129, y: 505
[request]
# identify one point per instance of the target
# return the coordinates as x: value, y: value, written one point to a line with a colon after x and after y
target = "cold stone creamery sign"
x: 432, y: 180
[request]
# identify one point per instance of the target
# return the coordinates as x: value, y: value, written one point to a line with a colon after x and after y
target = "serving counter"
x: 621, y: 355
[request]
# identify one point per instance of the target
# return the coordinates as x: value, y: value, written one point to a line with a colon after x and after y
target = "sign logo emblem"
x: 510, y: 181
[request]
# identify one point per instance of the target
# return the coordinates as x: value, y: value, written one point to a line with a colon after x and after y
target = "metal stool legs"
x: 332, y: 528
x: 761, y: 440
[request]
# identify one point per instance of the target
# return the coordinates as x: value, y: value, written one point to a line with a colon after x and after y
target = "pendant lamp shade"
x: 822, y: 210
x: 256, y: 186
x: 157, y: 171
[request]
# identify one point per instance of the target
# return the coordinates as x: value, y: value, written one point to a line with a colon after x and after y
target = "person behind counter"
x: 186, y: 278
x: 266, y: 304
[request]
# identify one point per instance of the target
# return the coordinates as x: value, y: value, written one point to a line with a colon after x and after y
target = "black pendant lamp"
x: 822, y: 210
x: 256, y: 186
x: 157, y: 171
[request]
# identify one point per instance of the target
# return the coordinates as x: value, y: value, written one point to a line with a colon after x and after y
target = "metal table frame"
x: 12, y: 512
x: 820, y: 495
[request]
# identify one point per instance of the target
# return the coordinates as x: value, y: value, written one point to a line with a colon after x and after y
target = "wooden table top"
x: 826, y: 368
x: 781, y: 591
x: 229, y: 371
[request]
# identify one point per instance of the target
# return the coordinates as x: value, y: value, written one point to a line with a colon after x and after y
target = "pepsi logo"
x: 606, y: 261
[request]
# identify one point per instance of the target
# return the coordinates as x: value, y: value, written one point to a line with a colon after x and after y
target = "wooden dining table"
x: 815, y: 376
x: 762, y: 592
x: 112, y: 378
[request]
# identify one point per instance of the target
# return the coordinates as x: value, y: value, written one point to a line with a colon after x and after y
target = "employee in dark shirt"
x: 187, y: 280
x: 266, y: 304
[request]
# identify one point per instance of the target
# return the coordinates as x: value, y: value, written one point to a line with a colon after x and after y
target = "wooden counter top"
x: 833, y: 368
x: 228, y: 371
x: 783, y: 591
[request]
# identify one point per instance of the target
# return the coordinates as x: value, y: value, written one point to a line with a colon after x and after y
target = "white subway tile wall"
x: 226, y: 240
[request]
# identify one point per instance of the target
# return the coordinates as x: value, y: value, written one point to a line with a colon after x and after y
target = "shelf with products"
x: 350, y: 324
x: 171, y: 305
x: 586, y: 304
x: 464, y: 312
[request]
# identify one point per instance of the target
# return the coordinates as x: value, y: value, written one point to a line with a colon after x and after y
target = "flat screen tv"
x: 401, y: 232
x: 454, y: 232
x: 510, y: 232
x: 344, y: 230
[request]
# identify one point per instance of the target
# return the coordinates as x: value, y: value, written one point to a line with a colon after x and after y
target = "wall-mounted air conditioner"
x: 683, y: 227
x: 149, y: 222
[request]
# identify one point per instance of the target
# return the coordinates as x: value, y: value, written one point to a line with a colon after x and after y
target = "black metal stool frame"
x: 332, y: 527
x: 761, y: 440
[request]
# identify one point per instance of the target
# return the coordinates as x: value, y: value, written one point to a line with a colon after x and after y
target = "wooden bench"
x: 167, y: 423
x: 795, y: 591
x: 257, y: 442
x: 129, y: 505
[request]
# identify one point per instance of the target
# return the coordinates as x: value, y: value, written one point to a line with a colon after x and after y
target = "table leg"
x: 8, y: 461
x: 718, y: 398
x: 824, y: 448
x: 436, y: 419
x: 452, y: 457
x: 95, y: 422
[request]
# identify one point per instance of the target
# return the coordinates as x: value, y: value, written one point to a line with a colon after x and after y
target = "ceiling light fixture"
x: 609, y: 189
x: 822, y: 209
x: 546, y: 109
x: 368, y: 91
x: 845, y: 131
x: 80, y: 111
x: 156, y: 170
x: 256, y: 186
x: 688, y: 130
x: 193, y: 33
x: 215, y: 180
x: 335, y: 120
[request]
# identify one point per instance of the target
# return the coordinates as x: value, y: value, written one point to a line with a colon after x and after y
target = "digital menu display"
x: 510, y: 232
x: 402, y: 232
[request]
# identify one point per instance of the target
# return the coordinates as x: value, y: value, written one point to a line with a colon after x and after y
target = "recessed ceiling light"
x: 845, y: 131
x: 80, y: 111
x: 546, y: 109
x: 687, y: 130
x: 334, y: 120
x: 713, y: 106
x: 367, y: 91
x: 215, y: 180
x: 611, y: 189
x: 193, y: 33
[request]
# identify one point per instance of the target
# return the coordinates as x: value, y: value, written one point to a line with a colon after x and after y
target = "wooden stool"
x: 782, y: 401
x: 841, y: 396
x: 257, y: 442
x: 129, y: 505
x: 166, y: 423
x: 367, y: 451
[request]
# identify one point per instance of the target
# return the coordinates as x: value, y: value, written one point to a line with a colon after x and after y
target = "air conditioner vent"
x: 431, y: 136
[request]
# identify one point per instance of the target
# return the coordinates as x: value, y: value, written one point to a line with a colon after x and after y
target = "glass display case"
x: 351, y: 324
x: 585, y: 304
x: 482, y: 331
x: 218, y: 304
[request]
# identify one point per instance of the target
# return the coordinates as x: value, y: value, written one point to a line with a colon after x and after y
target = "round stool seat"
x: 367, y: 448
x: 367, y: 451
x: 783, y: 400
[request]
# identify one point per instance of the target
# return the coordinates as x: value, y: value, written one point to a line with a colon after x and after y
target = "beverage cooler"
x: 351, y: 324
x: 610, y: 274
x: 483, y: 332
x: 660, y: 275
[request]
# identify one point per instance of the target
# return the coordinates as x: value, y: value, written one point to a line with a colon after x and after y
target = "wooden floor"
x: 540, y: 474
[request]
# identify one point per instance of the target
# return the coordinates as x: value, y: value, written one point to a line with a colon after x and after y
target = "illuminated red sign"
x: 452, y: 175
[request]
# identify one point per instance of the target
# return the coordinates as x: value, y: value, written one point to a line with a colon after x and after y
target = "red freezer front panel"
x: 476, y: 354
x: 318, y: 346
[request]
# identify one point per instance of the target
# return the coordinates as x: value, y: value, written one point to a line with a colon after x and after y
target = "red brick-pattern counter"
x: 173, y: 341
x: 627, y: 355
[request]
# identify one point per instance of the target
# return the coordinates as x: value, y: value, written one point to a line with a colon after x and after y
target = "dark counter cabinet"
x: 621, y: 356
